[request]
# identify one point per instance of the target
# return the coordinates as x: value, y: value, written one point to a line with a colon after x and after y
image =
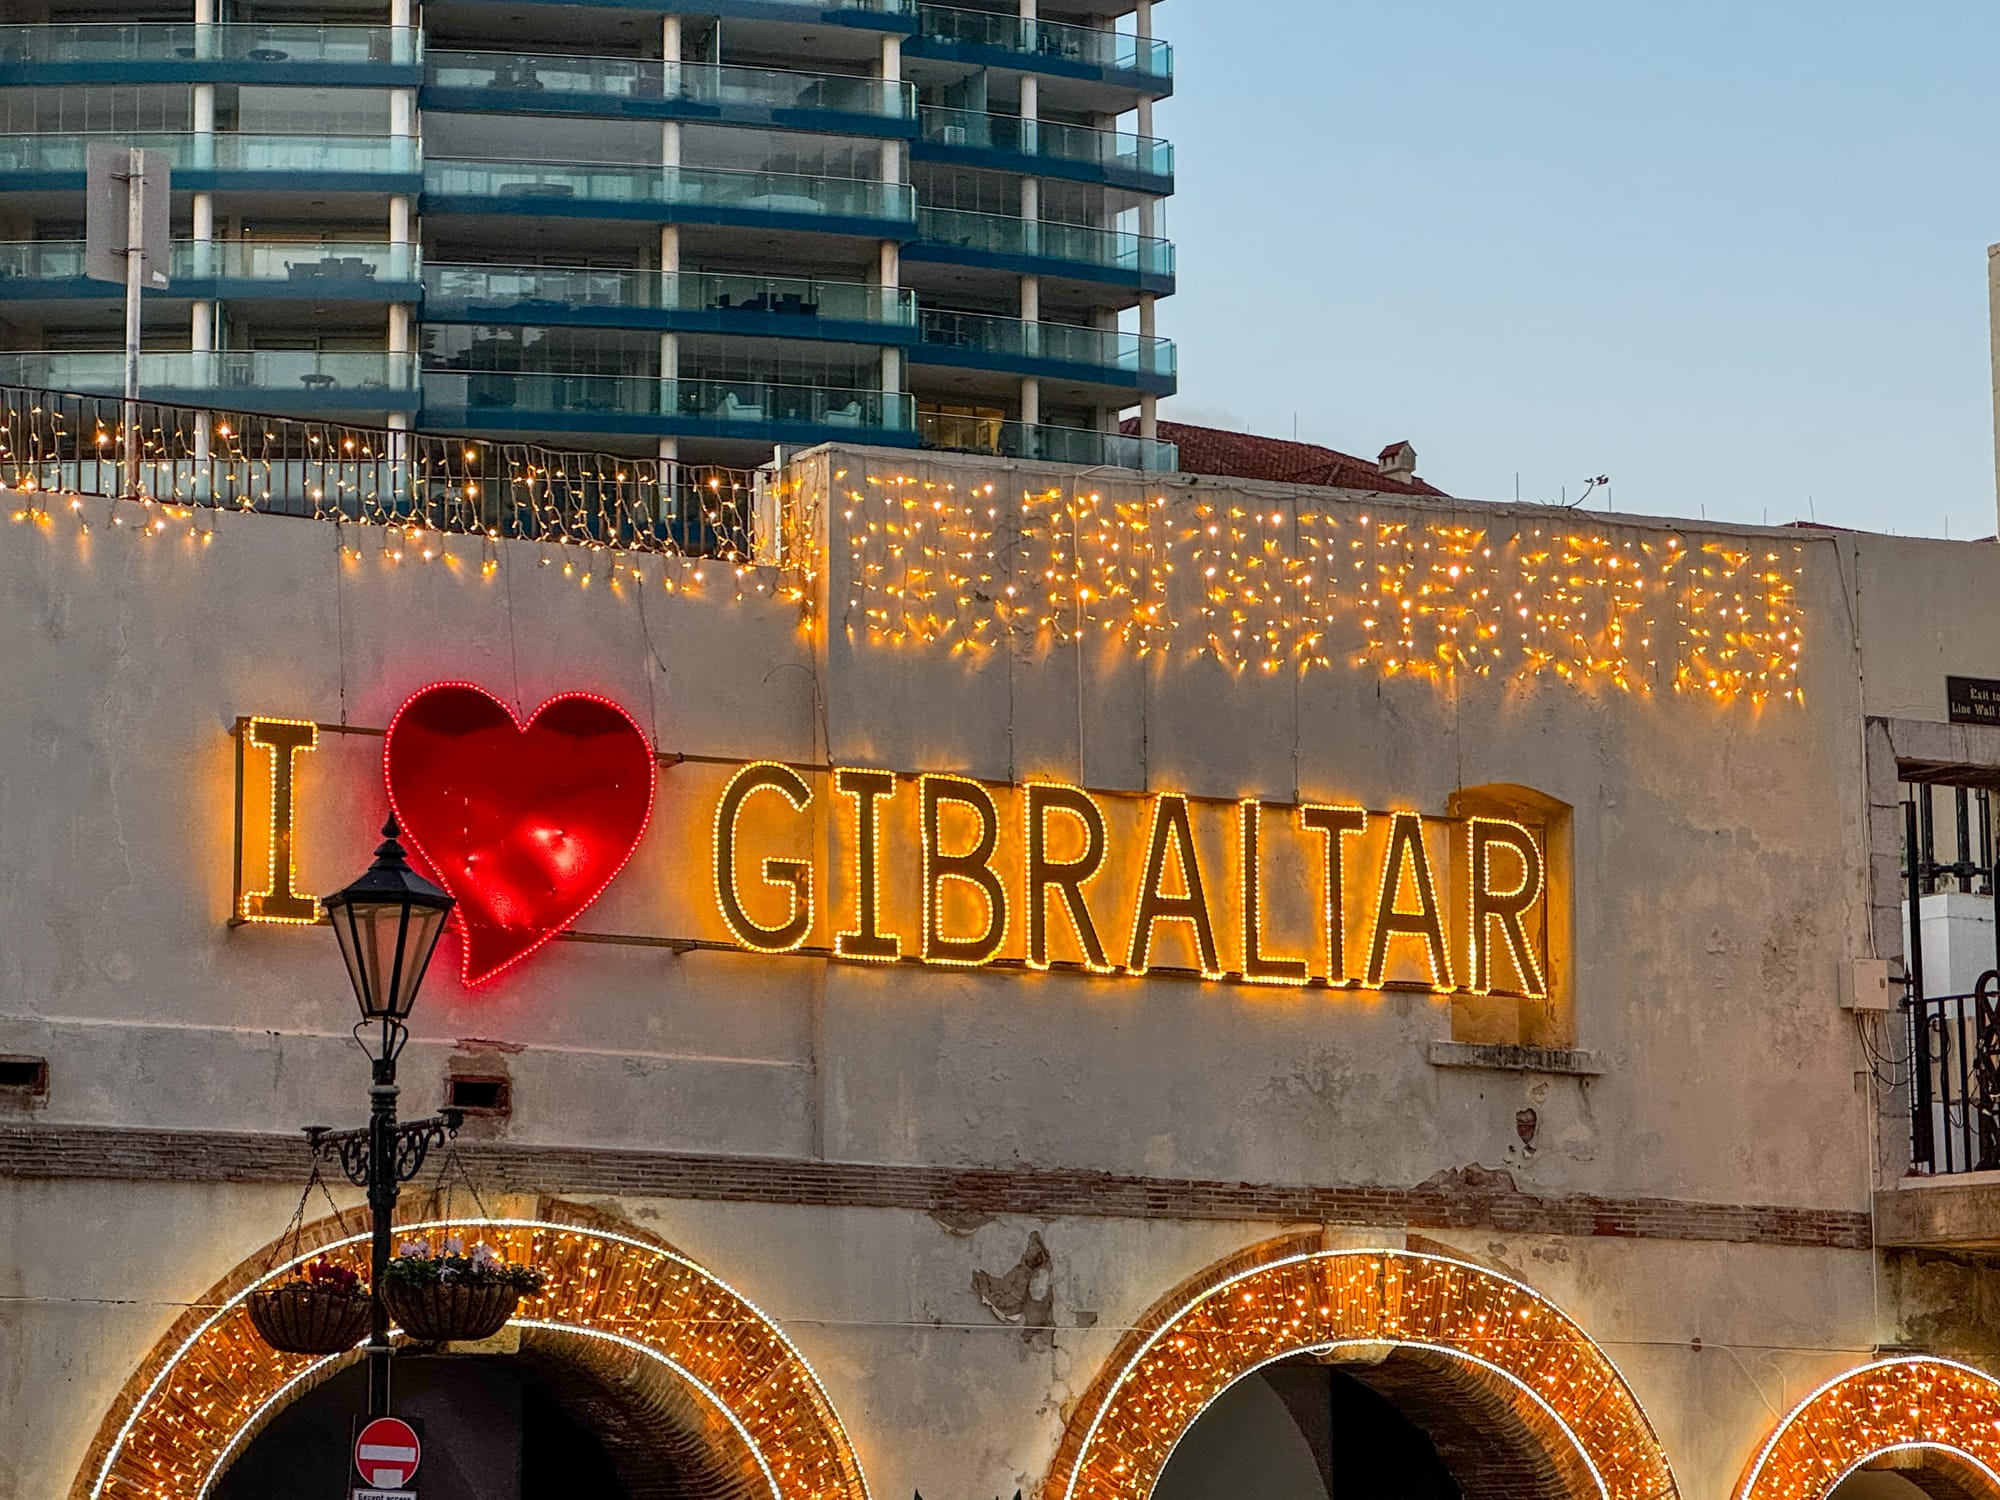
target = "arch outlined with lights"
x: 1292, y: 1298
x: 605, y: 1285
x: 1947, y: 1411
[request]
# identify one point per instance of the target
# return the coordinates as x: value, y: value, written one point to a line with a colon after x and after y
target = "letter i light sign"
x: 387, y: 1451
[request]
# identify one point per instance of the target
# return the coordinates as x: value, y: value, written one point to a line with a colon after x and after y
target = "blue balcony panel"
x: 55, y: 161
x: 266, y: 270
x: 988, y: 39
x: 1125, y: 362
x: 637, y: 406
x: 1045, y: 148
x: 1022, y: 247
x: 954, y: 433
x: 280, y: 382
x: 673, y: 195
x: 647, y: 88
x: 690, y: 302
x: 896, y: 16
x: 295, y: 56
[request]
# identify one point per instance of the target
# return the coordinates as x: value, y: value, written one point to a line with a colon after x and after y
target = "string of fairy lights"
x: 1562, y: 1386
x: 1945, y: 1414
x: 1317, y: 581
x: 423, y: 497
x: 184, y: 1427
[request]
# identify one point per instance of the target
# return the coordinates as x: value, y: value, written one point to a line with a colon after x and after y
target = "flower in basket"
x: 322, y: 1308
x: 331, y: 1276
x: 418, y: 1263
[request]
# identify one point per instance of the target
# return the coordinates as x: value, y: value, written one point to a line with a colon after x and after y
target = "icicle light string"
x: 1311, y: 582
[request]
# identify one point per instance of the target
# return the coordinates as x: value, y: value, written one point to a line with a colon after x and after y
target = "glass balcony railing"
x: 1062, y: 343
x: 958, y: 433
x: 1003, y: 234
x: 527, y: 288
x: 43, y: 260
x: 748, y: 402
x: 222, y: 151
x: 314, y: 268
x: 310, y: 268
x: 687, y: 187
x: 1114, y: 150
x: 373, y: 376
x: 1111, y: 50
x: 519, y: 76
x: 172, y: 42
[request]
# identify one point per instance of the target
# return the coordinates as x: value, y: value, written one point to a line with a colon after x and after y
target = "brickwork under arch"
x: 1520, y: 1402
x: 620, y: 1305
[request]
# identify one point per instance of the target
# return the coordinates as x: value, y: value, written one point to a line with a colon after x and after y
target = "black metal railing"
x: 205, y: 458
x: 1954, y: 1040
x: 1955, y: 1044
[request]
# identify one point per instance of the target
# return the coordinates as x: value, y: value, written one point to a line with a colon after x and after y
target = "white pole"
x: 135, y: 240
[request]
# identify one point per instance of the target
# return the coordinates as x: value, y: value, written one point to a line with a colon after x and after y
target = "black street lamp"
x: 388, y: 922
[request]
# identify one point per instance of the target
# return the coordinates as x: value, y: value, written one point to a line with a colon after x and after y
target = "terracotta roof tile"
x: 1243, y: 455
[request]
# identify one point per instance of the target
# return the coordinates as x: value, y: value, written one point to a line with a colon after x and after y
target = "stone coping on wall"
x: 1957, y: 1212
x: 1574, y: 1062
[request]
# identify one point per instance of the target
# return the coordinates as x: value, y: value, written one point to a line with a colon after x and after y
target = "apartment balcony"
x: 894, y: 16
x: 682, y: 195
x: 763, y: 411
x: 224, y: 160
x: 690, y: 302
x: 270, y: 270
x: 279, y: 381
x: 1029, y: 247
x: 1053, y: 351
x: 636, y: 87
x: 1045, y: 148
x: 984, y: 39
x: 172, y: 52
x: 1058, y: 445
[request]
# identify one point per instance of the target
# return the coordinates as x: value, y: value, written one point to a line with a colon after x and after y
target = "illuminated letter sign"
x: 1406, y: 850
x: 1170, y: 826
x: 790, y: 875
x: 282, y: 741
x: 1259, y: 967
x: 1504, y: 907
x: 1068, y: 876
x: 972, y: 867
x: 867, y: 940
x: 524, y: 821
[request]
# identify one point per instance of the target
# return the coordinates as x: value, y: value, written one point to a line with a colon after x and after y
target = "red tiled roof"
x: 1243, y: 455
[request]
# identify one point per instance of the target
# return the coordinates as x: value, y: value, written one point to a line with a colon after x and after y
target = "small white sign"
x: 361, y: 1494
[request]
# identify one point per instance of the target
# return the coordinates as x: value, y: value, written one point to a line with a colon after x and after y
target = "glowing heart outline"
x: 474, y: 936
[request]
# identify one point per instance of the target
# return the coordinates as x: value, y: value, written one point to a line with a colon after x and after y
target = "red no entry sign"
x: 386, y: 1453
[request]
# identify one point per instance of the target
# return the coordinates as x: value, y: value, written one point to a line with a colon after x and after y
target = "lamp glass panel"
x: 426, y: 923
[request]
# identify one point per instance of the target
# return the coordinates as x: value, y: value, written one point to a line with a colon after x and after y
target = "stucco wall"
x: 1721, y: 882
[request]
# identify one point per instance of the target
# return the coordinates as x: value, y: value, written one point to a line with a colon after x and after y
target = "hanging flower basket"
x: 324, y: 1310
x: 439, y: 1298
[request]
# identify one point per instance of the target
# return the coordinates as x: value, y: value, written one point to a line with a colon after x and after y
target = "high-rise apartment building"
x: 685, y: 230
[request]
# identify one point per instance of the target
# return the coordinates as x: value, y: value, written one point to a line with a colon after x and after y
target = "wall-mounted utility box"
x: 1868, y: 986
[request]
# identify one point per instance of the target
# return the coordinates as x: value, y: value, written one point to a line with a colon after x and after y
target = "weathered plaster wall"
x: 1722, y: 881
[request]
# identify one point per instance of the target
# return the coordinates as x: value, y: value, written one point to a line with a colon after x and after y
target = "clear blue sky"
x: 1731, y: 254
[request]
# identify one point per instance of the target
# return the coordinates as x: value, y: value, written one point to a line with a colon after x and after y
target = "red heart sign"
x: 524, y: 824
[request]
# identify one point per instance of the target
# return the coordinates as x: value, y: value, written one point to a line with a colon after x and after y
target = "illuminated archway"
x: 1940, y: 1418
x: 1510, y: 1357
x: 618, y: 1302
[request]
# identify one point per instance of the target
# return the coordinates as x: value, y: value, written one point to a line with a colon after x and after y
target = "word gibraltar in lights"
x: 871, y: 866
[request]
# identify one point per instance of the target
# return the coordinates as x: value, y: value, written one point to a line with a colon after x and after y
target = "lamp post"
x: 388, y: 922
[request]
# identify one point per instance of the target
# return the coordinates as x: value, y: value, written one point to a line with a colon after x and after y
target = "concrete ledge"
x: 1959, y: 1212
x: 1505, y: 1058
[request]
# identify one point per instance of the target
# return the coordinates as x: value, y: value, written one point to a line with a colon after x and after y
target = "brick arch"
x: 624, y: 1310
x: 1934, y: 1420
x: 1518, y: 1399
